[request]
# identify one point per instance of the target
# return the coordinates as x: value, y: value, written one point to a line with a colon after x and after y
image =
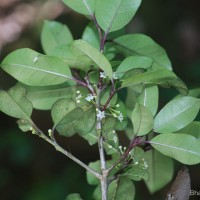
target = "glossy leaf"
x: 85, y: 7
x: 54, y: 34
x: 140, y: 44
x: 32, y: 68
x: 15, y: 104
x: 182, y: 147
x: 122, y: 188
x: 177, y: 114
x: 149, y: 99
x: 133, y: 62
x: 83, y: 48
x: 149, y: 77
x: 114, y: 16
x: 192, y: 129
x: 160, y: 169
x: 142, y: 120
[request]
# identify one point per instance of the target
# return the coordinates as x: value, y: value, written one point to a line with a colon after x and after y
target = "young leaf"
x: 143, y: 45
x: 133, y: 62
x: 177, y: 114
x: 142, y: 120
x: 182, y: 147
x: 85, y: 7
x: 32, y: 68
x: 160, y: 169
x: 119, y: 189
x: 149, y: 77
x: 15, y: 104
x: 93, y: 54
x: 114, y: 16
x: 149, y: 99
x: 192, y: 129
x: 54, y: 34
x: 74, y: 196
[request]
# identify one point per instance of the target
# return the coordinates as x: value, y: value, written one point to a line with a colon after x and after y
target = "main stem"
x: 104, y: 171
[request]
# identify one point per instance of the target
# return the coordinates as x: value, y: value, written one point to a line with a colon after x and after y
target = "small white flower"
x: 117, y: 105
x: 102, y: 75
x: 79, y: 96
x: 109, y: 146
x: 136, y: 163
x: 115, y: 139
x: 78, y: 91
x: 89, y: 97
x: 145, y: 165
x: 120, y: 117
x: 78, y: 101
x: 100, y: 114
x: 115, y: 76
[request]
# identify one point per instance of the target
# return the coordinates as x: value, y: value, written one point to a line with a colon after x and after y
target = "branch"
x: 65, y: 152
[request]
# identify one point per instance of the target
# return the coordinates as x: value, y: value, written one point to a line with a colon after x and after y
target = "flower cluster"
x: 78, y: 97
x: 116, y: 113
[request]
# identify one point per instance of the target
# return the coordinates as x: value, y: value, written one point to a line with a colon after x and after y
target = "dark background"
x: 31, y: 169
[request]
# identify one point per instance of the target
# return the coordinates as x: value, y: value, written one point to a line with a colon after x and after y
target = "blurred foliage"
x: 31, y: 169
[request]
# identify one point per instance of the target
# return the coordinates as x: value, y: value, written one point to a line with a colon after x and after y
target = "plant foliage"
x: 105, y: 82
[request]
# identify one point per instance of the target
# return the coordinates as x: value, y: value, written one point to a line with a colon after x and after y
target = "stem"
x: 104, y: 171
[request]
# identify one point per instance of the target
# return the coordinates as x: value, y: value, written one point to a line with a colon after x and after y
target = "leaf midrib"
x: 40, y: 70
x: 176, y: 114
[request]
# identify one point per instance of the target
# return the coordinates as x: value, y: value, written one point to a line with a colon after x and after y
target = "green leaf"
x: 64, y: 113
x: 32, y: 68
x: 15, y: 104
x: 122, y: 188
x: 177, y: 114
x: 133, y: 62
x: 160, y: 169
x: 91, y: 179
x: 182, y: 147
x: 137, y: 154
x: 192, y: 129
x: 149, y: 99
x: 143, y: 45
x: 137, y: 172
x: 73, y: 60
x: 114, y: 16
x: 93, y: 54
x: 44, y: 97
x: 54, y: 34
x: 142, y: 120
x: 85, y: 7
x: 149, y: 77
x: 74, y: 196
x: 91, y: 35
